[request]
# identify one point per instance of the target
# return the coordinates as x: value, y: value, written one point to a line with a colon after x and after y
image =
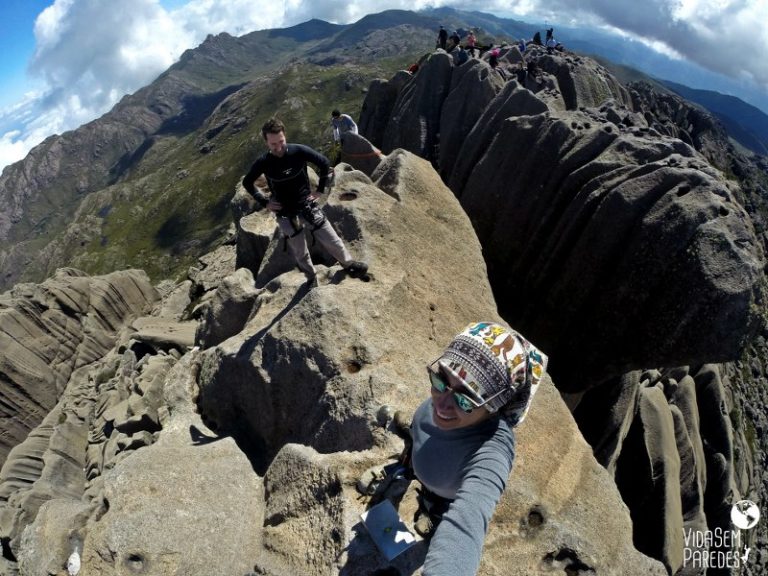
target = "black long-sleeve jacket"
x: 287, y: 175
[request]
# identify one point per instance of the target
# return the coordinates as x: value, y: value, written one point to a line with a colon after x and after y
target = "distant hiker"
x: 537, y: 38
x: 455, y: 40
x: 521, y: 73
x: 551, y: 45
x: 291, y: 198
x: 550, y: 34
x: 493, y: 60
x: 521, y: 45
x: 464, y: 440
x: 442, y: 38
x: 534, y: 72
x: 341, y: 124
x: 460, y: 56
x: 471, y: 42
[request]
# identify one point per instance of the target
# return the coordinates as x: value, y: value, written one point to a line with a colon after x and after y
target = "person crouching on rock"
x: 285, y: 168
x: 463, y: 439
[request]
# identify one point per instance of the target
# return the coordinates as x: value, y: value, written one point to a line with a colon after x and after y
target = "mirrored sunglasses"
x: 462, y: 401
x: 467, y: 400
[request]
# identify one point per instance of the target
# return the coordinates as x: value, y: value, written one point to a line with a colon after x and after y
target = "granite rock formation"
x: 622, y: 241
x: 611, y: 234
x: 250, y: 444
x: 610, y: 238
x: 50, y: 331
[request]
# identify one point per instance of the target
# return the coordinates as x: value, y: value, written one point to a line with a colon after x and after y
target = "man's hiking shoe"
x: 424, y: 526
x: 356, y: 269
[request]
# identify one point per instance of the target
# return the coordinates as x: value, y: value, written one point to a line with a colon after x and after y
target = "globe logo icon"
x: 745, y: 514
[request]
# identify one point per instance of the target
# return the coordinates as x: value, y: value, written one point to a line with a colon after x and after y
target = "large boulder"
x: 605, y: 414
x: 662, y: 434
x: 49, y: 464
x: 360, y: 153
x: 228, y: 310
x: 581, y: 81
x: 378, y: 104
x: 108, y: 410
x: 604, y: 238
x: 188, y: 504
x: 511, y: 101
x: 652, y: 466
x: 670, y: 114
x: 473, y: 87
x: 55, y: 534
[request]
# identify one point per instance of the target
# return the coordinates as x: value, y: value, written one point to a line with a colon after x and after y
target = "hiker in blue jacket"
x: 285, y: 167
x: 464, y: 443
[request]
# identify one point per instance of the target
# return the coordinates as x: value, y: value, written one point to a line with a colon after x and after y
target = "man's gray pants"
x: 324, y: 233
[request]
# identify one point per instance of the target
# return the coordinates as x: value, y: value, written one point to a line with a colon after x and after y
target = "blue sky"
x: 66, y: 62
x: 17, y: 40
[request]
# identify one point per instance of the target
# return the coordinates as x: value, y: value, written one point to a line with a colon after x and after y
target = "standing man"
x: 455, y: 40
x: 341, y: 124
x: 442, y: 38
x: 285, y: 168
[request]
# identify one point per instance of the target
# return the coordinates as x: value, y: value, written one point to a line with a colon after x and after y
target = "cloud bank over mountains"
x: 725, y: 36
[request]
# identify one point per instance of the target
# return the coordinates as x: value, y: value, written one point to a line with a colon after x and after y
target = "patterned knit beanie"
x: 489, y: 358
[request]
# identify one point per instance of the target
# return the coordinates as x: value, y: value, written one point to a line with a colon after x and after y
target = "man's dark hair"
x: 335, y: 113
x: 272, y: 126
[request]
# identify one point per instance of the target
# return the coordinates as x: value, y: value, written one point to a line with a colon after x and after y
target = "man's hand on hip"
x: 274, y: 206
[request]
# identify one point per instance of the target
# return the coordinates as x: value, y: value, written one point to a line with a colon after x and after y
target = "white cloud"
x: 90, y: 53
x: 237, y: 17
x: 94, y: 65
x: 24, y: 125
x: 725, y: 36
x: 12, y: 148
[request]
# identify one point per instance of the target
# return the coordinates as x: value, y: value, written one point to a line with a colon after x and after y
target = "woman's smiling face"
x: 446, y: 413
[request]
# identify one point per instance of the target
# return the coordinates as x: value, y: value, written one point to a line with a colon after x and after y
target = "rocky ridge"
x: 605, y: 233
